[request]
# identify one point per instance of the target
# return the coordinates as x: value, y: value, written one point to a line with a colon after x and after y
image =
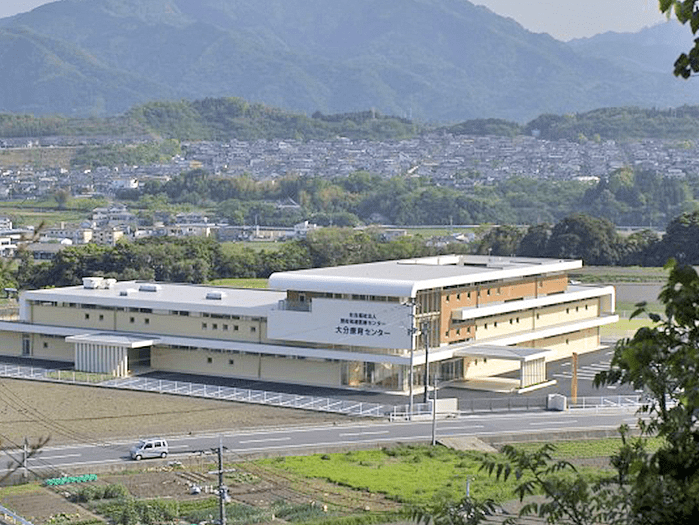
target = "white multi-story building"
x: 367, y: 325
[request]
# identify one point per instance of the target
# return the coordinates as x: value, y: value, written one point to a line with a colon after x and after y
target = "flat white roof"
x: 165, y: 296
x: 112, y: 339
x: 404, y: 278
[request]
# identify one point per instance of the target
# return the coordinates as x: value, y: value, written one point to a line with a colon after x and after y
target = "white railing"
x: 597, y: 402
x: 11, y: 517
x: 314, y: 403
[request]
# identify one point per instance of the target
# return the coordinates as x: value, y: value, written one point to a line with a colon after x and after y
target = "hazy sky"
x: 563, y: 19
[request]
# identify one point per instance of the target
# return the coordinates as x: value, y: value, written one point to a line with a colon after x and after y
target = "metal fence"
x: 620, y: 401
x: 246, y: 395
x: 315, y: 403
x: 10, y: 517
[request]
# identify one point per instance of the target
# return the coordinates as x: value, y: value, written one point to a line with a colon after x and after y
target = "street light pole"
x: 426, y: 339
x: 413, y: 339
x: 434, y: 412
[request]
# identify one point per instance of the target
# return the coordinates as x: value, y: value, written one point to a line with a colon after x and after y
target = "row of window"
x: 225, y: 327
x: 204, y: 326
x: 182, y: 313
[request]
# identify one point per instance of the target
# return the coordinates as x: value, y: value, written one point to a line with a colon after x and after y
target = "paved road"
x: 53, y: 460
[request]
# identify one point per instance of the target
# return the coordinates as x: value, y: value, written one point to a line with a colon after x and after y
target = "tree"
x: 663, y: 360
x: 685, y: 11
x: 535, y: 241
x: 681, y: 239
x: 569, y: 496
x: 589, y: 238
x: 500, y: 241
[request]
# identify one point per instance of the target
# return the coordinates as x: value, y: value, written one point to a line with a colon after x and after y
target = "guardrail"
x: 11, y: 517
x: 620, y: 401
x: 315, y: 403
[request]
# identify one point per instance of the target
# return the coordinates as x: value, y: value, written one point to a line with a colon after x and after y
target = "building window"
x: 567, y: 310
x: 209, y: 359
x: 510, y: 320
x: 446, y: 298
x: 468, y: 295
x: 146, y: 321
x: 485, y: 326
x: 458, y: 297
x: 537, y: 315
x: 225, y: 327
x: 488, y: 291
x: 101, y: 317
x: 458, y: 331
x: 567, y: 341
x: 132, y: 320
x: 214, y: 326
x: 231, y: 362
x: 253, y: 329
x: 204, y: 326
x: 87, y: 316
x: 46, y: 345
x: 235, y: 327
x: 495, y: 324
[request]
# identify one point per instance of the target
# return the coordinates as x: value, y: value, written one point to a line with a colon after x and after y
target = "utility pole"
x: 25, y: 456
x: 222, y: 489
x: 426, y: 339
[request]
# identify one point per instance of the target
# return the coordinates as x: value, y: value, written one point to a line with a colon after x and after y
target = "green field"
x: 619, y: 274
x: 624, y: 328
x: 37, y: 157
x: 241, y: 283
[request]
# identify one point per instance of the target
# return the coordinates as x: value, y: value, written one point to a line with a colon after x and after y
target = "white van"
x: 150, y: 448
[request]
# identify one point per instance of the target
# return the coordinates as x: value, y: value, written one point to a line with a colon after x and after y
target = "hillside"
x: 428, y: 60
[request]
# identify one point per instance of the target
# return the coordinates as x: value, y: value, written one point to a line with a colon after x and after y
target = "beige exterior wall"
x: 197, y: 362
x: 11, y: 343
x: 271, y: 368
x: 308, y: 371
x: 193, y: 325
x: 481, y: 367
x: 565, y: 313
x: 564, y: 345
x: 55, y: 348
x: 516, y: 322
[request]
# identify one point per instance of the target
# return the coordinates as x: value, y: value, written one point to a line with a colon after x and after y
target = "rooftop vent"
x: 216, y: 295
x: 149, y: 287
x: 93, y: 283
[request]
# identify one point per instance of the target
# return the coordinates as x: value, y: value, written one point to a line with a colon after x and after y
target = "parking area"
x: 265, y: 392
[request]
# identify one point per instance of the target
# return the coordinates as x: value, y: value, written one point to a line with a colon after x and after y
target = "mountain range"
x: 429, y: 60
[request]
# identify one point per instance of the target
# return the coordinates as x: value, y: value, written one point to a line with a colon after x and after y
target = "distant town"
x: 447, y: 160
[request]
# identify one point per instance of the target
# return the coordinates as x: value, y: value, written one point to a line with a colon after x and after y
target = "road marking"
x: 264, y: 440
x: 364, y: 433
x: 473, y: 427
x: 553, y: 422
x: 42, y: 457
